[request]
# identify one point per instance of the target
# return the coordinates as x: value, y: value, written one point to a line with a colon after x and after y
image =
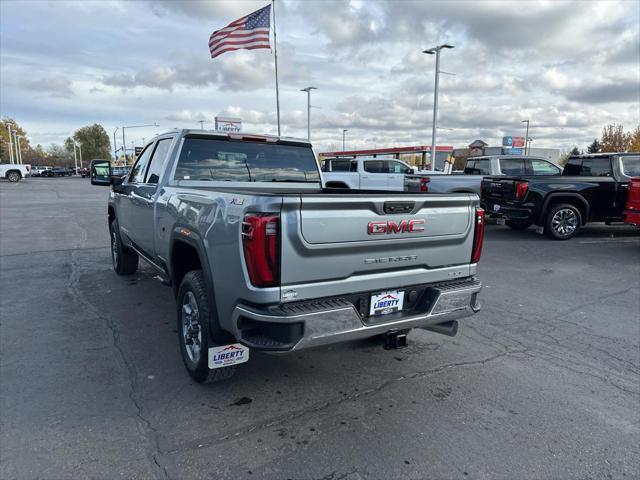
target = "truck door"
x: 397, y: 171
x: 374, y: 175
x: 143, y: 187
x: 602, y: 196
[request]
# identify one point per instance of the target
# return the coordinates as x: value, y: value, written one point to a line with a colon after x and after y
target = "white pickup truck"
x: 14, y: 172
x: 365, y: 173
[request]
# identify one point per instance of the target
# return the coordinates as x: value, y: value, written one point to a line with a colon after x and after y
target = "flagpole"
x: 275, y: 55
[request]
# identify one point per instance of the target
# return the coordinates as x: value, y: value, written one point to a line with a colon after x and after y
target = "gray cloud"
x: 55, y: 86
x: 614, y: 92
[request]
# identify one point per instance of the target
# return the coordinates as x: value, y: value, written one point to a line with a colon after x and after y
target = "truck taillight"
x: 260, y: 241
x: 521, y: 190
x: 478, y: 236
x: 423, y: 184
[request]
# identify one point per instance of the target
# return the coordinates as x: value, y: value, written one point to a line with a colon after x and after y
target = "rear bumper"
x: 496, y: 209
x: 295, y: 327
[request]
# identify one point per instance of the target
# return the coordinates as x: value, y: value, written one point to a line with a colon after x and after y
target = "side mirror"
x: 100, y: 172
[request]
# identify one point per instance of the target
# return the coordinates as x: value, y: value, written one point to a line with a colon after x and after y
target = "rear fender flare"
x: 569, y: 195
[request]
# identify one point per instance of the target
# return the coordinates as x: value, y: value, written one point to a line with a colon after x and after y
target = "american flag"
x: 248, y: 32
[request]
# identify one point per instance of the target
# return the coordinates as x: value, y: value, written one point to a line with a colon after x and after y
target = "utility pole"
x: 344, y: 131
x: 308, y: 90
x: 10, y: 144
x: 436, y: 51
x: 526, y: 137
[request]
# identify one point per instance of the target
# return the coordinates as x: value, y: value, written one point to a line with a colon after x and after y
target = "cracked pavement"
x: 543, y: 383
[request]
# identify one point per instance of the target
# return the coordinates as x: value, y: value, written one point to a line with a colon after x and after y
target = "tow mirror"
x: 100, y: 172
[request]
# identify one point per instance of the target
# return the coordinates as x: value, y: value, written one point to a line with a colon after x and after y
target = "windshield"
x: 223, y: 160
x: 631, y: 166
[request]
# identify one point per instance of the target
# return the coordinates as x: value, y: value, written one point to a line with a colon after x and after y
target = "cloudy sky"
x: 569, y: 67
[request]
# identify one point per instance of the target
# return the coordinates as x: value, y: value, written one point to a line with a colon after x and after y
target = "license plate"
x: 386, y: 302
x: 228, y: 355
x: 500, y: 221
x: 496, y: 208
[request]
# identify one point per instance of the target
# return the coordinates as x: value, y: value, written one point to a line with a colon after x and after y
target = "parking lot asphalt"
x: 543, y: 383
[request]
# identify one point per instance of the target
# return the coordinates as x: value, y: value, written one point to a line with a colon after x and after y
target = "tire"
x: 14, y: 176
x: 125, y: 261
x: 194, y: 311
x: 563, y: 222
x: 519, y: 224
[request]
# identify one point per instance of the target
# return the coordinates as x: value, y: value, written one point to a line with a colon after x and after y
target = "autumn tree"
x: 634, y: 140
x: 614, y: 139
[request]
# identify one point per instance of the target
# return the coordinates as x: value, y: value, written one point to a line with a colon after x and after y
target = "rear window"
x: 596, y: 167
x: 631, y: 166
x: 512, y: 166
x: 210, y: 159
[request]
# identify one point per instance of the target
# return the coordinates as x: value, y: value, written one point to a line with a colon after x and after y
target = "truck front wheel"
x: 563, y: 222
x: 125, y: 261
x: 194, y: 312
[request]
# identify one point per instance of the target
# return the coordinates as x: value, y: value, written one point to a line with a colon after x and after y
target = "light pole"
x: 18, y: 149
x: 80, y: 149
x: 75, y: 155
x: 15, y: 145
x: 201, y: 124
x: 124, y: 143
x: 526, y: 137
x: 115, y: 149
x: 436, y: 51
x: 344, y: 131
x: 308, y: 90
x: 10, y: 144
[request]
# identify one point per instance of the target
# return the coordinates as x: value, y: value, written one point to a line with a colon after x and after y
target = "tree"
x: 614, y: 139
x: 94, y: 141
x: 634, y: 141
x: 4, y: 139
x: 58, y: 155
x: 575, y: 151
x: 594, y: 147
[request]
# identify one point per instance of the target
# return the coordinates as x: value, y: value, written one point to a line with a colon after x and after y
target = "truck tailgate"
x: 498, y: 187
x: 330, y: 237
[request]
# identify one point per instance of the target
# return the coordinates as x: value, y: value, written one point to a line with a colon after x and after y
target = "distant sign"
x: 516, y: 151
x: 227, y: 124
x: 138, y: 151
x: 513, y: 141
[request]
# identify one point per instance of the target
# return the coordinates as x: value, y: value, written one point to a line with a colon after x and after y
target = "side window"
x: 483, y: 167
x: 573, y: 167
x: 158, y: 160
x: 325, y: 165
x: 374, y: 166
x: 396, y: 167
x: 138, y: 170
x: 512, y: 166
x: 596, y: 167
x: 354, y: 166
x: 540, y: 167
x: 340, y: 165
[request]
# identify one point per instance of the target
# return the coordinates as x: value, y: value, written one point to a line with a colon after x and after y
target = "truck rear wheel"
x: 125, y: 261
x: 14, y: 176
x: 518, y: 224
x: 563, y: 222
x: 194, y: 312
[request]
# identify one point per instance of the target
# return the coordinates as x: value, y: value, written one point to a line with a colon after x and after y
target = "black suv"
x: 592, y: 188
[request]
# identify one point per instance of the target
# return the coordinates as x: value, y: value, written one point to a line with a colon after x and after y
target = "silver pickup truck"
x: 476, y: 169
x: 260, y: 256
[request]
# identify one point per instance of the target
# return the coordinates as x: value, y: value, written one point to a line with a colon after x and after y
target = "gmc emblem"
x: 389, y: 226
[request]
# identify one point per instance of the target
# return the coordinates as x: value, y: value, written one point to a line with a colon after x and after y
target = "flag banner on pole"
x: 249, y: 32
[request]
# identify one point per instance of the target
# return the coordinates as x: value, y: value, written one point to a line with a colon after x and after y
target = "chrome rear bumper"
x: 311, y: 324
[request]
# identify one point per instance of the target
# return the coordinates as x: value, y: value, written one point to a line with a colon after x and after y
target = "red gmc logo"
x: 390, y: 226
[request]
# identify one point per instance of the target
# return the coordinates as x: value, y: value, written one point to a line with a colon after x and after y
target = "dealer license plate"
x: 386, y: 302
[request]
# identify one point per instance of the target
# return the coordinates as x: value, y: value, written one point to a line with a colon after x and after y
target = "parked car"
x: 56, y: 172
x: 365, y: 173
x: 261, y: 257
x: 14, y: 172
x: 84, y: 172
x: 476, y: 169
x: 592, y: 188
x: 632, y: 208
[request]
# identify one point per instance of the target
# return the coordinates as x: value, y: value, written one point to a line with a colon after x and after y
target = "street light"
x: 526, y: 137
x: 436, y: 51
x: 124, y: 143
x: 18, y: 149
x: 308, y: 90
x: 344, y: 131
x: 10, y: 144
x: 115, y: 149
x: 80, y: 149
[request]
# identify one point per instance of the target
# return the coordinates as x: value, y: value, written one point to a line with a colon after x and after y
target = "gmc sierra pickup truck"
x: 14, y: 172
x: 592, y: 188
x: 261, y: 256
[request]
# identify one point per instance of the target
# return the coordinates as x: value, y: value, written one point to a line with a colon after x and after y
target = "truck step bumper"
x: 309, y: 324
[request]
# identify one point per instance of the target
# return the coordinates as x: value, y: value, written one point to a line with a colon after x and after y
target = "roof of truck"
x: 235, y: 135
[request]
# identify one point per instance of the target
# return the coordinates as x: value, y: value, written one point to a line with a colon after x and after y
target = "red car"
x: 84, y: 172
x: 632, y: 209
